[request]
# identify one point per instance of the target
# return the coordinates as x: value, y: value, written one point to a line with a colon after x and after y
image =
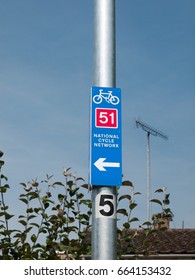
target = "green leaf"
x: 156, y: 201
x: 168, y: 211
x: 31, y: 217
x: 80, y: 195
x: 43, y: 230
x: 73, y: 192
x: 127, y: 196
x: 75, y: 213
x: 53, y: 219
x: 28, y: 229
x: 86, y: 202
x: 136, y: 193
x: 33, y: 195
x: 34, y: 183
x: 123, y: 212
x: 29, y: 210
x: 24, y: 195
x: 8, y: 216
x: 132, y: 205
x: 34, y: 224
x: 22, y: 216
x: 70, y: 183
x: 126, y: 225
x: 89, y: 213
x: 159, y: 190
x: 3, y: 190
x: 46, y: 205
x: 71, y: 220
x: 6, y: 186
x: 82, y: 234
x: 72, y: 228
x: 134, y: 220
x: 84, y: 223
x: 33, y: 238
x: 24, y: 200
x: 83, y: 216
x: 4, y: 177
x: 61, y: 197
x: 127, y: 183
x: 44, y: 215
x: 147, y: 224
x: 37, y: 209
x: 58, y: 184
x: 44, y: 200
x: 24, y: 185
x: 23, y: 222
x: 85, y: 186
x: 5, y: 208
x: 66, y: 171
x: 80, y: 178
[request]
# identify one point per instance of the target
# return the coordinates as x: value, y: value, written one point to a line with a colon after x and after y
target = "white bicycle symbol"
x: 114, y: 100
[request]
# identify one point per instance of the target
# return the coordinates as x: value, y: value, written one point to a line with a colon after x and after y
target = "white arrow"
x: 100, y: 164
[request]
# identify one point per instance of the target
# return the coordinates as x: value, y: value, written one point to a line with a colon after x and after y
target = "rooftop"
x: 171, y: 242
x: 167, y: 244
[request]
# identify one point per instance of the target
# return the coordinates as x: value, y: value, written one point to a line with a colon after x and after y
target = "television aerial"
x: 150, y: 131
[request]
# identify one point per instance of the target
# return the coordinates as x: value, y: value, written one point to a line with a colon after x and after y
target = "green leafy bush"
x: 57, y: 218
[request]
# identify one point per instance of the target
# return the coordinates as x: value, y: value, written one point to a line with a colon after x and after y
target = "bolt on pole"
x: 104, y: 228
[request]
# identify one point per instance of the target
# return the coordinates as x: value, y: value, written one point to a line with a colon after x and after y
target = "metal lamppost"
x: 104, y: 229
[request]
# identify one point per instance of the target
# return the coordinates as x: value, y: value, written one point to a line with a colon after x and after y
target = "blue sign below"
x: 105, y: 137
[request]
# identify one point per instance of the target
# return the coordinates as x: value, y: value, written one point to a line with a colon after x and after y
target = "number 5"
x: 105, y: 206
x: 106, y: 199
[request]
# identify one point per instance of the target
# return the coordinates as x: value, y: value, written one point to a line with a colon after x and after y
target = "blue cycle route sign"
x: 105, y: 137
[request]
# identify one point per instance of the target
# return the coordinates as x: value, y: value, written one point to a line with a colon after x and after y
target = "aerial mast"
x: 150, y: 131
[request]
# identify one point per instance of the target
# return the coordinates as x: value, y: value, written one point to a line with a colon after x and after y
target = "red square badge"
x: 105, y: 117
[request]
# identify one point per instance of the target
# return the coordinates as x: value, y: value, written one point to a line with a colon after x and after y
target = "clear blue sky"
x: 46, y: 62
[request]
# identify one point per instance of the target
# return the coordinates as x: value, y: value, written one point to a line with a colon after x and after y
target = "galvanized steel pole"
x: 104, y: 228
x: 104, y: 43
